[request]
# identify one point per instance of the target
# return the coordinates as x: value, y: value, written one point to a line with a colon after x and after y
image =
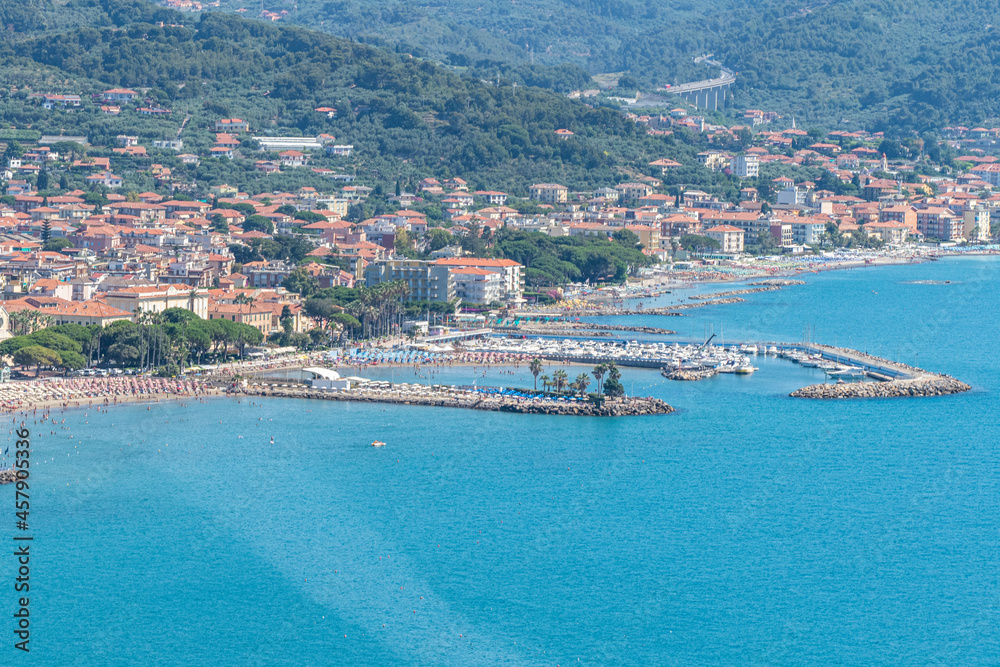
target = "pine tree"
x: 46, y: 230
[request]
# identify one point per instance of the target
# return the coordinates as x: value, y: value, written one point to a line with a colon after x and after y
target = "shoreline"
x: 28, y: 396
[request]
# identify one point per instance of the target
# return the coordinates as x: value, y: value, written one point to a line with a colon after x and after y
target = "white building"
x: 745, y: 166
x: 477, y: 285
x: 289, y: 143
x: 730, y: 238
x: 512, y: 278
x: 808, y: 233
x: 792, y: 196
x: 169, y: 144
x: 340, y: 150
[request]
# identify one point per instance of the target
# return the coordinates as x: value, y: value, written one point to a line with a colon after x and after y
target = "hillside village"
x: 106, y: 251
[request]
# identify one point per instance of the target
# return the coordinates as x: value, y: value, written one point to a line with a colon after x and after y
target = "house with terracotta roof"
x: 549, y: 193
x: 891, y: 233
x: 100, y: 239
x: 64, y: 311
x: 105, y: 178
x: 157, y: 298
x: 120, y: 95
x: 665, y: 165
x: 232, y: 125
x: 293, y: 158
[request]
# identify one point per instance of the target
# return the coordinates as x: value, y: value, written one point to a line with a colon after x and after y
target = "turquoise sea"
x: 746, y: 528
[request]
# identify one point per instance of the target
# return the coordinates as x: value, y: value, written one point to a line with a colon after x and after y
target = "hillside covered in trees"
x: 404, y: 115
x: 881, y: 63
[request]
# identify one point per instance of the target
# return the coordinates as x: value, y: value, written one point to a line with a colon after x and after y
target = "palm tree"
x: 545, y: 382
x: 582, y: 382
x: 559, y: 379
x: 600, y: 370
x: 613, y: 373
x: 20, y: 322
x: 535, y: 367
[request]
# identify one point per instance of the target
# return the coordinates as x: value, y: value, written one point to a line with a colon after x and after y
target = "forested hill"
x: 917, y: 63
x: 400, y: 112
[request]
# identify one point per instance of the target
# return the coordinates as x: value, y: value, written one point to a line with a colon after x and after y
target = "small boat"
x: 744, y: 370
x: 378, y: 443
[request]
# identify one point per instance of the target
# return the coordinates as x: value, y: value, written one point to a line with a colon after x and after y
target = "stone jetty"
x: 779, y: 282
x: 671, y: 310
x: 926, y: 385
x: 736, y: 292
x: 470, y: 400
x: 8, y: 476
x: 587, y: 328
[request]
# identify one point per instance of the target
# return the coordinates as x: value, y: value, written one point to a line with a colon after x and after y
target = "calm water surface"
x: 747, y: 528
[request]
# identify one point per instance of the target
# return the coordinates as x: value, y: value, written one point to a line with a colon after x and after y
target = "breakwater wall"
x: 933, y: 385
x: 616, y: 407
x: 736, y: 292
x: 580, y: 328
x: 778, y: 282
x: 671, y: 310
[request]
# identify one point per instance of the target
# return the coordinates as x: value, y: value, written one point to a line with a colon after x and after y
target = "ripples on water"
x: 746, y: 528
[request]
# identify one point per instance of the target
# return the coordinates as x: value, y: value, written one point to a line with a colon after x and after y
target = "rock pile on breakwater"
x: 778, y: 282
x: 670, y: 310
x: 720, y: 295
x: 625, y: 327
x: 627, y: 407
x: 612, y: 407
x: 688, y: 375
x: 930, y: 385
x: 8, y: 476
x: 569, y: 328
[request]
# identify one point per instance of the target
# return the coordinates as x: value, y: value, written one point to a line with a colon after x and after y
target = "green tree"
x: 37, y: 356
x: 613, y: 386
x: 57, y: 245
x: 258, y: 223
x: 300, y: 282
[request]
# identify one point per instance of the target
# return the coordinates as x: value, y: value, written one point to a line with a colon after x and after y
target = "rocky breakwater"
x: 671, y: 310
x: 625, y: 407
x: 8, y: 476
x: 780, y: 282
x: 470, y: 400
x: 927, y: 385
x: 737, y: 292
